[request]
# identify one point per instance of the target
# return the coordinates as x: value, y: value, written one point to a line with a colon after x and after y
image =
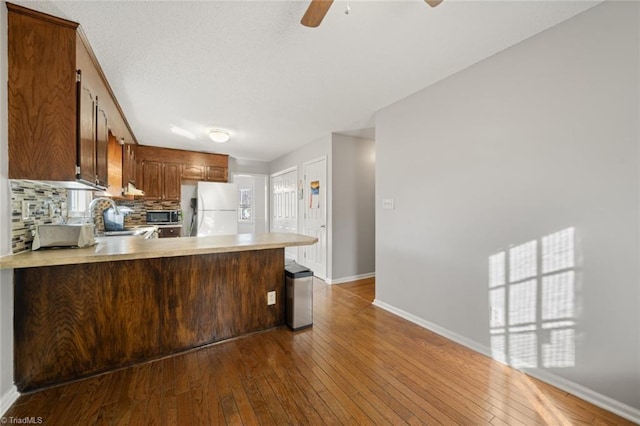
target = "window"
x: 78, y: 202
x: 244, y: 210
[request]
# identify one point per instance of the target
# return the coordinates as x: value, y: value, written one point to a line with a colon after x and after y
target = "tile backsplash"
x: 46, y: 204
x: 139, y: 208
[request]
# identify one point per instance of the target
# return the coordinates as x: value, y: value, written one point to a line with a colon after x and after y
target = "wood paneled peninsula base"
x: 77, y: 320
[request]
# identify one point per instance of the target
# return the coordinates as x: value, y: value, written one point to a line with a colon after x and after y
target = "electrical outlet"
x: 52, y: 210
x: 271, y: 298
x: 25, y: 209
x: 388, y: 203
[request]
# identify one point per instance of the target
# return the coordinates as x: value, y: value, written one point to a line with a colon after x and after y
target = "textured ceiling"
x: 252, y: 68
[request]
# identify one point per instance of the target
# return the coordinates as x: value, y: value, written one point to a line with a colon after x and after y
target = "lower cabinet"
x: 103, y: 316
x: 169, y: 231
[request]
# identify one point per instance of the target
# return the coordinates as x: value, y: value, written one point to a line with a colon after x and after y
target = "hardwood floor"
x: 365, y: 288
x: 357, y: 365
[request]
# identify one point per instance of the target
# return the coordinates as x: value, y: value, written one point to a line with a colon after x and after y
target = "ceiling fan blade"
x: 316, y: 11
x: 433, y: 3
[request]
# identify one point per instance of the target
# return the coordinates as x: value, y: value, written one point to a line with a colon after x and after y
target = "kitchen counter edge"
x: 116, y: 249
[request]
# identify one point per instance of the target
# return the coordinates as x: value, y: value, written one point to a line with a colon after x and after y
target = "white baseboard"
x: 595, y: 398
x: 349, y: 279
x: 8, y: 399
x: 435, y: 328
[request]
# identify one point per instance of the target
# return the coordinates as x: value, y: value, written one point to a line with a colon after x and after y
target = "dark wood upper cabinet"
x: 161, y: 181
x: 57, y: 124
x: 129, y: 165
x: 193, y: 172
x: 102, y: 141
x: 171, y: 182
x: 152, y: 179
x: 174, y: 165
x: 194, y: 164
x: 115, y: 167
x: 217, y: 174
x: 87, y: 107
x: 42, y: 97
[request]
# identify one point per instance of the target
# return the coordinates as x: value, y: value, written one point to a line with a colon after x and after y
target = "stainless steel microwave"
x: 163, y: 217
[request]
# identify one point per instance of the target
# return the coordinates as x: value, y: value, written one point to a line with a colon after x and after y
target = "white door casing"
x: 284, y: 205
x: 315, y: 215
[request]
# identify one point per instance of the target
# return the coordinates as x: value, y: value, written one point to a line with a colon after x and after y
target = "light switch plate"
x: 388, y: 204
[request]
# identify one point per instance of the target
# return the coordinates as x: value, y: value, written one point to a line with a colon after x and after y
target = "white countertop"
x: 129, y: 248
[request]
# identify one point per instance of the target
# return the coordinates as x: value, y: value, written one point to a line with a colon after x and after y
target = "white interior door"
x: 315, y: 216
x: 284, y: 206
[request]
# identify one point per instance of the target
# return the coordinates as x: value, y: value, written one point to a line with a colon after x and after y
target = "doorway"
x: 253, y: 202
x: 315, y: 215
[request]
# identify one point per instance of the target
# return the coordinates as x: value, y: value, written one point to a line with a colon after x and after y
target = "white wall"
x: 7, y: 390
x: 538, y: 138
x: 353, y: 208
x: 311, y: 151
x: 238, y: 165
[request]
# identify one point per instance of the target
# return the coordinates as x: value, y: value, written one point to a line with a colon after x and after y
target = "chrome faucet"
x: 93, y: 203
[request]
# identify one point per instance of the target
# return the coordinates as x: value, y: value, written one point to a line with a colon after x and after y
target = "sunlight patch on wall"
x: 532, y: 313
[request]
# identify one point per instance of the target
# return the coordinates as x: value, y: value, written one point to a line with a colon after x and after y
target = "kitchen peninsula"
x: 79, y: 312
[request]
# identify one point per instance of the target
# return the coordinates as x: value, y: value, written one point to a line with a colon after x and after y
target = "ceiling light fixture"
x: 219, y: 135
x: 182, y: 132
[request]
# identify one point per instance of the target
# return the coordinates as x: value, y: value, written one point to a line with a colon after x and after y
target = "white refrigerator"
x: 217, y: 208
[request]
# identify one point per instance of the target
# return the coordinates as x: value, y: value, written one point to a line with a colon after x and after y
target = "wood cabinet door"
x: 132, y: 167
x: 102, y: 141
x: 217, y: 173
x: 42, y: 98
x: 116, y: 161
x: 126, y: 164
x: 152, y: 179
x: 86, y: 133
x: 139, y: 173
x: 169, y: 232
x: 171, y: 181
x: 129, y: 165
x: 193, y: 172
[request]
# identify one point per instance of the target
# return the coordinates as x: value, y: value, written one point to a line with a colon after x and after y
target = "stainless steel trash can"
x: 299, y: 295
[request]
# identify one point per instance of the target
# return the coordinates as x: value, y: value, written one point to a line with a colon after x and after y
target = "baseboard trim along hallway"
x: 350, y: 279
